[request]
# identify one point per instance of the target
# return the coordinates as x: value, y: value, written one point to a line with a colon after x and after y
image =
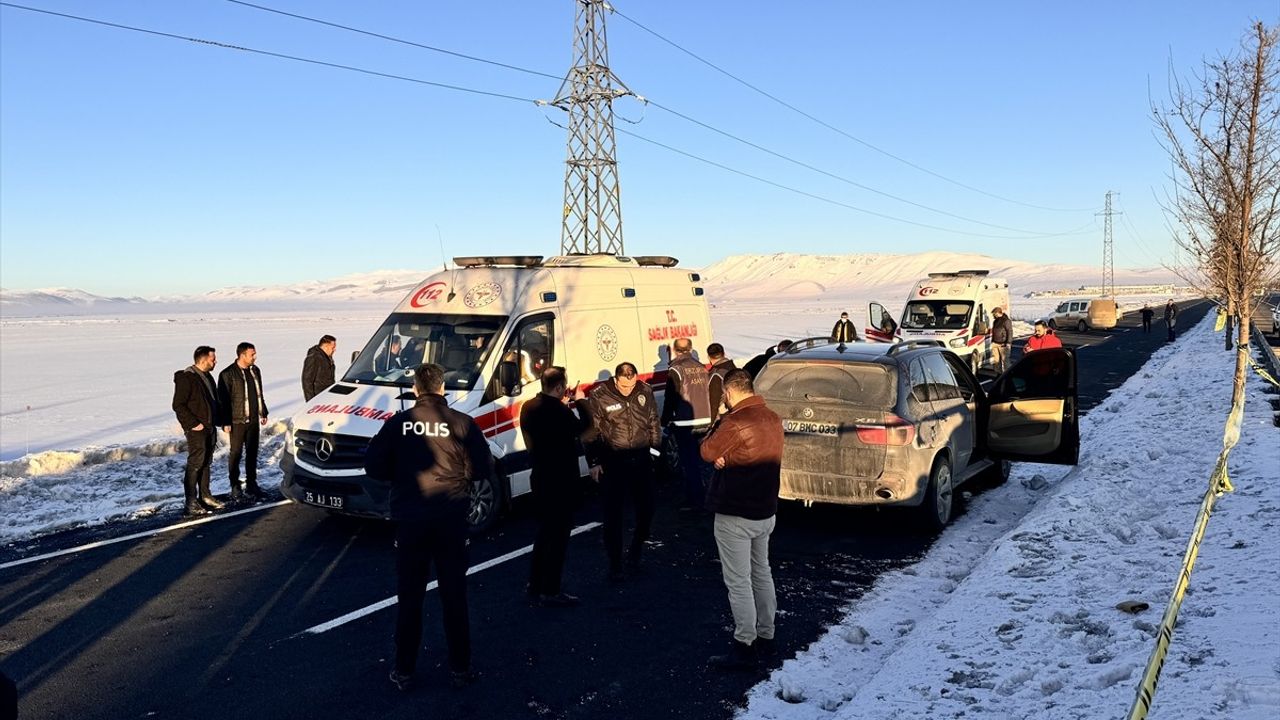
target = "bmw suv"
x: 907, y: 424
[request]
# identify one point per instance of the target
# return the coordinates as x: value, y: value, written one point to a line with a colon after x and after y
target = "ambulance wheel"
x: 487, y: 499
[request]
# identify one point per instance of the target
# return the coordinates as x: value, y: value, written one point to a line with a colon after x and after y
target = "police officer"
x: 720, y: 366
x: 686, y: 409
x: 551, y: 433
x: 623, y: 437
x: 430, y: 454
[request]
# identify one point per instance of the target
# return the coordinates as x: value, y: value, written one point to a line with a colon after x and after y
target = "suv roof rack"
x: 914, y: 345
x: 526, y: 261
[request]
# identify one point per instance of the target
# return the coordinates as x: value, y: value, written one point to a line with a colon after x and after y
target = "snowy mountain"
x: 778, y: 277
x: 787, y: 276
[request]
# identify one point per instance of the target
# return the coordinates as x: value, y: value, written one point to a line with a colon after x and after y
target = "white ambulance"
x: 494, y: 323
x: 953, y: 309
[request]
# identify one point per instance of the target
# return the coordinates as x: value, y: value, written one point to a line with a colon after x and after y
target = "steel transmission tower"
x: 592, y: 206
x: 1108, y: 253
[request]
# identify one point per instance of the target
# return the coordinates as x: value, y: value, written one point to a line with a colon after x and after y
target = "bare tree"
x: 1222, y: 133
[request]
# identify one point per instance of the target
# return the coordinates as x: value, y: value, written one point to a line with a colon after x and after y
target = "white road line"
x: 149, y: 533
x: 382, y: 604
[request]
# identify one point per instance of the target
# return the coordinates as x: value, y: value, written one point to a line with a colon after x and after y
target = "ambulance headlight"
x: 957, y: 342
x: 289, y: 441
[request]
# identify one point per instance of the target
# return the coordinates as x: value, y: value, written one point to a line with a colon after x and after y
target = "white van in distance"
x: 494, y: 324
x: 953, y: 309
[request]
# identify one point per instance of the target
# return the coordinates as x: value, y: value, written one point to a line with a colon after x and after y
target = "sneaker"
x: 765, y: 647
x: 402, y: 681
x: 462, y: 678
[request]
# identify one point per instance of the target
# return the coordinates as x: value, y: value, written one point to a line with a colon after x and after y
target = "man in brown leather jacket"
x: 746, y: 447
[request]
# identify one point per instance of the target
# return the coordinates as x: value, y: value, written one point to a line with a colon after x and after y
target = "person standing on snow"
x: 1001, y: 339
x: 1170, y: 317
x: 318, y: 368
x: 195, y: 402
x: 430, y: 455
x: 243, y: 412
x: 1043, y: 339
x: 844, y: 331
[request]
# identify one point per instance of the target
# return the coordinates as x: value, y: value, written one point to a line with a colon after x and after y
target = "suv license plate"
x: 328, y: 501
x: 807, y: 427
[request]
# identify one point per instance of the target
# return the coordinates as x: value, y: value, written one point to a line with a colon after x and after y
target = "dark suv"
x: 906, y: 424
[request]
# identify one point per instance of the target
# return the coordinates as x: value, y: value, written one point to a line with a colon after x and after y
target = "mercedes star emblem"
x: 324, y: 449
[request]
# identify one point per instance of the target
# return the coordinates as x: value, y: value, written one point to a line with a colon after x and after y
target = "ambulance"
x: 952, y: 309
x: 495, y: 324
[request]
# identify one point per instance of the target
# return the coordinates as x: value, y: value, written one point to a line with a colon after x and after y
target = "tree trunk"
x: 1242, y: 362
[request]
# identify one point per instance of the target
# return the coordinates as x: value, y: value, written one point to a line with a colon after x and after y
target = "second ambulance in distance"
x: 951, y: 309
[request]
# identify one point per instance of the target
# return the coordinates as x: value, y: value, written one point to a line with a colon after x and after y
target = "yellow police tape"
x: 1219, y: 483
x: 1262, y: 373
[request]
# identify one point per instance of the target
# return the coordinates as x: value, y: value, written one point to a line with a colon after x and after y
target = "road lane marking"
x: 149, y: 533
x: 383, y: 604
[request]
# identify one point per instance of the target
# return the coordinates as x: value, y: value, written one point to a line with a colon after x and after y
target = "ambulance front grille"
x: 347, y: 451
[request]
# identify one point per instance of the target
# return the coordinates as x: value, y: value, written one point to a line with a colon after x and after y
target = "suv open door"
x: 1032, y: 410
x: 880, y: 324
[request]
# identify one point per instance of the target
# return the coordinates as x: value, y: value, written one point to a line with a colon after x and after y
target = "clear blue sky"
x: 132, y: 164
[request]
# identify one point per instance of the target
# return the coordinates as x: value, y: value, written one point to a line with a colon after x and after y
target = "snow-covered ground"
x: 1012, y: 612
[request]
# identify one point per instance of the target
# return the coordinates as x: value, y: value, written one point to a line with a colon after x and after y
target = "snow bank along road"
x: 209, y: 620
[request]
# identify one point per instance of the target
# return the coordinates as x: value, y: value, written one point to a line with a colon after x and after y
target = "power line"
x: 831, y: 127
x: 268, y: 53
x: 390, y: 38
x: 832, y: 175
x: 656, y: 104
x: 1078, y: 231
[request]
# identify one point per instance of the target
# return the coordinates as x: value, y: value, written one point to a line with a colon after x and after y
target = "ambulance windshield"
x: 937, y: 315
x: 459, y: 343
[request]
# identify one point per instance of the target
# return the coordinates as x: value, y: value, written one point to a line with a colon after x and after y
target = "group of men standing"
x: 236, y: 403
x: 430, y: 453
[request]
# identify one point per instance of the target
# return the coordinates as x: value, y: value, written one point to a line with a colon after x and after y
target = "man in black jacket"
x: 243, y: 412
x: 552, y: 434
x: 844, y: 331
x: 430, y: 454
x: 720, y: 366
x: 622, y: 441
x: 686, y: 410
x: 195, y: 402
x: 1001, y: 339
x: 757, y: 363
x: 317, y: 369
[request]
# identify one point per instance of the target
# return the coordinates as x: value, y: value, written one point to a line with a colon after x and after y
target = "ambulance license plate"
x: 808, y: 427
x: 334, y: 502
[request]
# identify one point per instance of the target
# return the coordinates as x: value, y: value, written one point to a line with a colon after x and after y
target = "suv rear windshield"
x: 937, y: 314
x: 865, y: 384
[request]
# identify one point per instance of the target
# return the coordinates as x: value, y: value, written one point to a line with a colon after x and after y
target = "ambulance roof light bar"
x: 526, y: 261
x: 962, y: 273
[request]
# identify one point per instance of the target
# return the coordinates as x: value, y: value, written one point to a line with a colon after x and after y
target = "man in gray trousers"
x: 746, y: 448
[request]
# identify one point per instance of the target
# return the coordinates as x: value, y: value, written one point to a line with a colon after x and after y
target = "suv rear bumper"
x: 844, y: 490
x: 361, y: 496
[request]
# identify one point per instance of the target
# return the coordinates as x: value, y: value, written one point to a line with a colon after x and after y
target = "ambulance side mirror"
x: 981, y: 328
x: 509, y: 378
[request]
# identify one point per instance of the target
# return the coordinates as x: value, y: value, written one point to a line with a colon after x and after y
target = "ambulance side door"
x: 530, y: 349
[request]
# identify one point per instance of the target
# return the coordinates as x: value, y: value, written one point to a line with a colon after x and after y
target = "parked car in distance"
x: 1085, y: 315
x: 907, y: 424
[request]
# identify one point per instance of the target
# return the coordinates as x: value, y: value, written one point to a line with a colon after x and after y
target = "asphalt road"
x: 210, y: 620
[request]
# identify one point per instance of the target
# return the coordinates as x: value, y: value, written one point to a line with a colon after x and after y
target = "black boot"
x: 253, y: 491
x: 765, y: 647
x: 238, y: 495
x: 206, y: 497
x: 740, y: 657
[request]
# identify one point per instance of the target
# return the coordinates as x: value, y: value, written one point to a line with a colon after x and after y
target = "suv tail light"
x: 893, y: 431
